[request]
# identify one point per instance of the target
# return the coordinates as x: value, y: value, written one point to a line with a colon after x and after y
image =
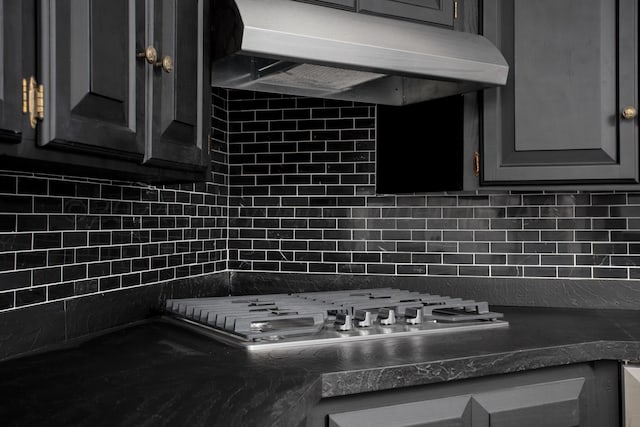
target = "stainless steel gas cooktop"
x: 311, y: 318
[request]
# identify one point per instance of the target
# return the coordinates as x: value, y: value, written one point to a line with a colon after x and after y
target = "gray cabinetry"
x: 431, y: 11
x: 95, y: 88
x: 104, y: 97
x: 99, y: 107
x: 557, y: 402
x: 577, y: 395
x: 428, y: 11
x: 14, y: 16
x: 448, y: 411
x: 179, y: 100
x: 345, y: 4
x: 573, y: 72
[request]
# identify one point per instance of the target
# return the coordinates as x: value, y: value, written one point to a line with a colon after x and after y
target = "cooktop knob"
x: 362, y: 318
x: 387, y: 316
x: 343, y: 322
x: 413, y: 315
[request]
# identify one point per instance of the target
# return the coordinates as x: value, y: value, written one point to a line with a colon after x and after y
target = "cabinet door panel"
x: 573, y: 71
x: 180, y: 108
x: 447, y: 412
x: 631, y: 378
x: 93, y: 80
x: 12, y: 49
x: 433, y: 11
x: 347, y: 4
x: 557, y: 403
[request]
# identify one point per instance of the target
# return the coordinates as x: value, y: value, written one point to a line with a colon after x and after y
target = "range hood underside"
x: 321, y: 81
x: 297, y: 48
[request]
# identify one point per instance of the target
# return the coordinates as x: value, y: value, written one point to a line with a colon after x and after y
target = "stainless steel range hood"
x: 296, y: 48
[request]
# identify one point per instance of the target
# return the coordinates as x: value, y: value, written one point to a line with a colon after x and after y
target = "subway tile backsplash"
x: 303, y: 199
x: 293, y: 190
x: 63, y: 237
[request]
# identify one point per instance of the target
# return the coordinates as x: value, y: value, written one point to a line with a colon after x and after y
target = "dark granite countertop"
x: 159, y: 374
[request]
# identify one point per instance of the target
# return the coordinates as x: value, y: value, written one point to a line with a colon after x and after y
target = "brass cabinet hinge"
x: 455, y: 10
x: 33, y: 100
x: 476, y: 164
x: 25, y: 97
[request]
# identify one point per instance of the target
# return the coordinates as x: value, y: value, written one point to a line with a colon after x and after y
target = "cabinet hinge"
x: 25, y: 97
x: 33, y: 100
x: 476, y: 164
x: 455, y: 10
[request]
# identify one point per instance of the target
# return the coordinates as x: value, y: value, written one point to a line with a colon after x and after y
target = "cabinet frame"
x: 498, y: 137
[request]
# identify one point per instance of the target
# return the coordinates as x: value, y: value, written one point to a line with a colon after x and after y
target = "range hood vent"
x: 296, y: 48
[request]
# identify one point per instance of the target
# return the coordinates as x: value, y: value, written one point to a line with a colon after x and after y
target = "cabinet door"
x: 94, y: 84
x: 343, y: 4
x: 14, y: 44
x: 573, y: 71
x: 179, y: 98
x: 557, y: 403
x: 631, y: 379
x: 432, y: 11
x: 446, y: 412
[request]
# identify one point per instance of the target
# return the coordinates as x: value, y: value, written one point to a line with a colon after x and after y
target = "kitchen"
x: 292, y: 206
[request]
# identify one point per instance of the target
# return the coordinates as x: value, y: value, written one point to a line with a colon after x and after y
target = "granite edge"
x: 414, y: 374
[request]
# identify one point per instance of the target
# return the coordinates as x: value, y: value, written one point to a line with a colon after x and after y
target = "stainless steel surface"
x: 297, y: 48
x: 285, y: 320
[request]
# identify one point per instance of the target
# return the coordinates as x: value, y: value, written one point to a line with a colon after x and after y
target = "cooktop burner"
x: 287, y: 320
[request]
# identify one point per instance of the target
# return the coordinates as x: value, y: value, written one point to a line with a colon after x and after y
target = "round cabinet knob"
x: 150, y: 54
x: 166, y: 64
x: 629, y: 113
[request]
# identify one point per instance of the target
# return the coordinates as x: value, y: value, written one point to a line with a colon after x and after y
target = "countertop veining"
x: 159, y: 374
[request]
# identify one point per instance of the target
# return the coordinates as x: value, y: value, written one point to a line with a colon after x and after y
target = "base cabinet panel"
x: 557, y: 403
x: 585, y: 395
x: 446, y: 412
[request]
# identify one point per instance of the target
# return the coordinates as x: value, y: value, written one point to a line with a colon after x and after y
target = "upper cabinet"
x: 430, y: 11
x: 180, y: 100
x: 346, y: 4
x: 440, y: 12
x: 121, y: 90
x: 95, y: 86
x: 568, y: 112
x: 14, y: 22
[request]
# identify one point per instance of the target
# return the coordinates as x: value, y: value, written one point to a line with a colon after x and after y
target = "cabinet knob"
x: 166, y: 64
x: 629, y: 113
x: 150, y: 54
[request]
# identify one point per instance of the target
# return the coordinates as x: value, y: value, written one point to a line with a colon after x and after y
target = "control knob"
x: 413, y: 315
x: 362, y: 318
x: 343, y: 322
x: 387, y: 316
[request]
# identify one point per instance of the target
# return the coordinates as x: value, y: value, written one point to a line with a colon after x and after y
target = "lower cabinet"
x: 577, y: 395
